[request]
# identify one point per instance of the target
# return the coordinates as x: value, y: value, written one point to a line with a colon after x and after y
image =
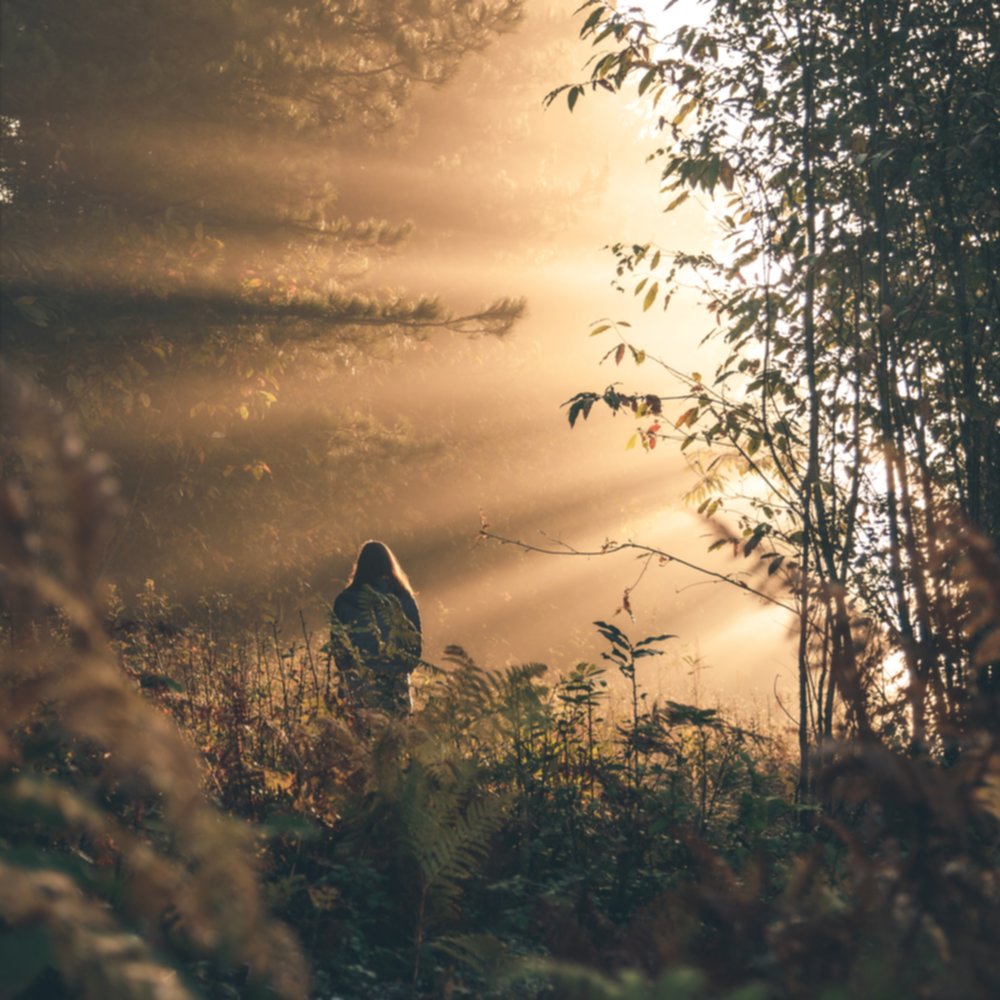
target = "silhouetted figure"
x: 375, y: 632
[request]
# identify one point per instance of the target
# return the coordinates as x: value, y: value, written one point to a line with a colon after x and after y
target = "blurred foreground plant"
x: 115, y: 872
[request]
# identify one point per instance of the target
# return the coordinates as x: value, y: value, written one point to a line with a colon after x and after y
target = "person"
x: 375, y: 632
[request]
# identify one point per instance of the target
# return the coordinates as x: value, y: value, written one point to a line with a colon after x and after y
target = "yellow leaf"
x: 685, y: 110
x: 278, y: 781
x: 679, y: 200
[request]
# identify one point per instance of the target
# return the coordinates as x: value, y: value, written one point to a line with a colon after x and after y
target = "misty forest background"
x: 277, y: 279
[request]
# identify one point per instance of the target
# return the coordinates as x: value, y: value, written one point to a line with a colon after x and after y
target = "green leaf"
x: 592, y: 21
x: 613, y: 634
x: 755, y: 539
x: 649, y: 77
x: 654, y: 638
x: 680, y: 714
x: 650, y: 296
x: 159, y: 682
x: 581, y: 403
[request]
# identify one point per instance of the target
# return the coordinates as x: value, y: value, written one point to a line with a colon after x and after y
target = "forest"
x: 278, y: 278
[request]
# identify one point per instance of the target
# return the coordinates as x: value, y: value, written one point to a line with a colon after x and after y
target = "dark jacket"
x: 375, y: 637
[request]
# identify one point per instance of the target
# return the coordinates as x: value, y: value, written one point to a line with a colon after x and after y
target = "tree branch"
x: 612, y: 547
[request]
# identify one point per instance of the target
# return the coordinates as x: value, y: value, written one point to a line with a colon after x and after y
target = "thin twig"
x: 650, y: 550
x: 781, y: 704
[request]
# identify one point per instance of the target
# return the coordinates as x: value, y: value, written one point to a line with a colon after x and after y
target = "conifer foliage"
x: 179, y: 258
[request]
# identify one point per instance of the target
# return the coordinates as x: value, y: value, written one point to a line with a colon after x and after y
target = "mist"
x: 257, y: 454
x: 499, y: 499
x: 484, y: 222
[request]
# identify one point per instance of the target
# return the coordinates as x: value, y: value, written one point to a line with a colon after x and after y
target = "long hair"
x: 376, y: 563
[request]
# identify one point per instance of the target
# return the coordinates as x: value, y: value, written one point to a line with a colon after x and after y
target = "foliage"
x: 180, y: 263
x: 847, y: 150
x: 114, y: 869
x: 518, y: 834
x: 512, y: 836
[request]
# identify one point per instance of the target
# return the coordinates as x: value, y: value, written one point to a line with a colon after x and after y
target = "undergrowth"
x: 517, y: 835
